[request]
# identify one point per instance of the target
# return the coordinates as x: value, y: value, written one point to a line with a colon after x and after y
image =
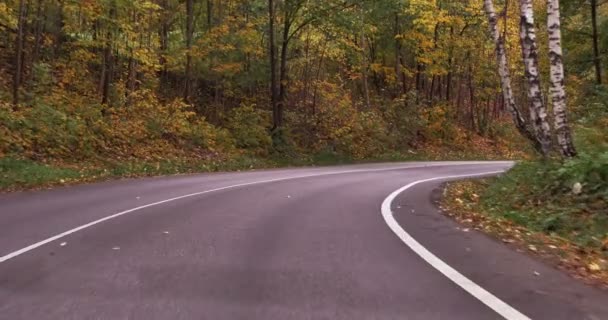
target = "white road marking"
x: 116, y: 215
x: 499, y: 306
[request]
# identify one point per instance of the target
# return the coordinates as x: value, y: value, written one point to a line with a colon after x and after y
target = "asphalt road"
x: 277, y: 244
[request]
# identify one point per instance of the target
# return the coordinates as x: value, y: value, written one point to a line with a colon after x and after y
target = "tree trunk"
x: 448, y: 89
x: 38, y: 32
x: 164, y: 44
x: 107, y: 71
x: 432, y: 89
x: 558, y: 92
x: 538, y: 110
x: 400, y: 75
x: 364, y: 68
x: 283, y: 67
x: 189, y: 35
x: 19, y: 53
x: 418, y: 78
x: 596, y: 49
x: 505, y: 76
x: 273, y: 67
x: 59, y: 35
x: 472, y: 102
x: 209, y: 14
x: 131, y: 73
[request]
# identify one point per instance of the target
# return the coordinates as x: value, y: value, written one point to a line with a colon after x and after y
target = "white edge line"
x: 499, y: 306
x: 116, y: 215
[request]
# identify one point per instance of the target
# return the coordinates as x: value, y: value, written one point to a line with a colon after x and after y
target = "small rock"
x: 116, y: 248
x: 532, y: 247
x: 166, y: 232
x: 536, y: 273
x: 577, y: 188
x: 63, y: 244
x: 466, y: 230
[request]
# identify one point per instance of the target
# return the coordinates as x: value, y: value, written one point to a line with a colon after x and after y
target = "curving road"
x: 316, y: 243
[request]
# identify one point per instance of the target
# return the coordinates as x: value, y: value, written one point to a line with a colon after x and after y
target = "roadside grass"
x: 27, y: 174
x: 556, y: 209
x: 18, y: 173
x: 24, y: 174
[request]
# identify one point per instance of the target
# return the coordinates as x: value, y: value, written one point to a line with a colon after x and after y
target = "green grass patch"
x: 17, y: 173
x: 567, y: 199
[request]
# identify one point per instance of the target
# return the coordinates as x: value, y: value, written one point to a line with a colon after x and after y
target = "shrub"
x: 249, y: 127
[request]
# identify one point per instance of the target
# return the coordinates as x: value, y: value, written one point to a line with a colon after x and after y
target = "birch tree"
x: 505, y: 75
x: 538, y: 110
x: 557, y: 90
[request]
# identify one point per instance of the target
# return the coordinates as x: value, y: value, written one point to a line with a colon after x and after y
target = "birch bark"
x: 538, y: 110
x: 505, y: 75
x: 557, y: 90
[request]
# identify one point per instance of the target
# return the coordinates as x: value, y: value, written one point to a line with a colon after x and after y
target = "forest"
x: 113, y: 87
x: 105, y: 89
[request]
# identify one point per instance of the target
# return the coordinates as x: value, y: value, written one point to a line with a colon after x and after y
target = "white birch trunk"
x: 558, y: 92
x: 538, y: 110
x: 505, y: 74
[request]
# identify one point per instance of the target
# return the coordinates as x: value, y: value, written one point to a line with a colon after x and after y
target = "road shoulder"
x: 516, y: 278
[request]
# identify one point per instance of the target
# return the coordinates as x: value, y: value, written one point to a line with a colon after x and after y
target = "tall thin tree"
x: 505, y: 75
x: 189, y: 36
x: 538, y: 109
x: 273, y: 67
x: 558, y: 92
x: 596, y: 47
x: 17, y: 76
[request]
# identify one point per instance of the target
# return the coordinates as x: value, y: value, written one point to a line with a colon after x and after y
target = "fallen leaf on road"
x: 594, y: 267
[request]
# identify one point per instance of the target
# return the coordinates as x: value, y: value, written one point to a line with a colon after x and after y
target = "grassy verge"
x: 19, y: 173
x: 556, y: 210
x: 23, y: 174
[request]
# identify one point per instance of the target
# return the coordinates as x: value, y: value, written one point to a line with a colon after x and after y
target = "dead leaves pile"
x: 461, y: 202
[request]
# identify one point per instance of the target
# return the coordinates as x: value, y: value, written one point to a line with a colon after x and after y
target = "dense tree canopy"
x: 149, y: 78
